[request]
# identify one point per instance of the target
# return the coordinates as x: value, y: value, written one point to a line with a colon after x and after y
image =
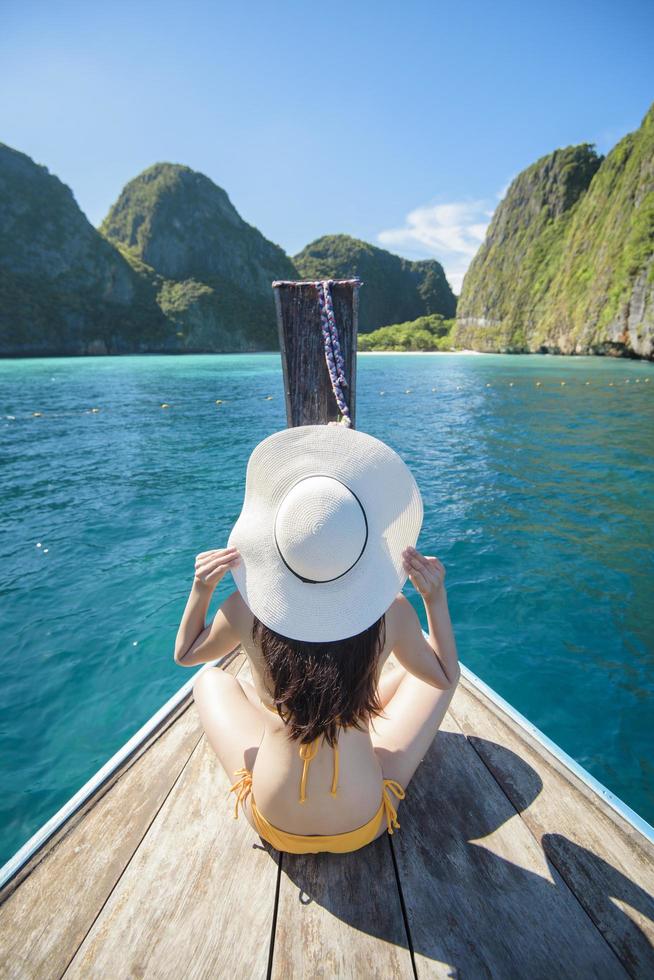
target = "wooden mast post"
x: 307, y: 385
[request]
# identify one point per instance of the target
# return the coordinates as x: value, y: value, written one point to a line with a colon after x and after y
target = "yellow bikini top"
x: 308, y: 751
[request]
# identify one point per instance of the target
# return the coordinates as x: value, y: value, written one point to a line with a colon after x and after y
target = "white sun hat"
x: 327, y: 513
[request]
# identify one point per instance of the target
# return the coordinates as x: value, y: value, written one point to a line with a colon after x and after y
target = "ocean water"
x: 536, y: 474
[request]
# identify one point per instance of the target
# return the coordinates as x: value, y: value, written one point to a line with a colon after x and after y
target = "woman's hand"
x: 427, y: 574
x: 211, y: 566
x: 195, y: 642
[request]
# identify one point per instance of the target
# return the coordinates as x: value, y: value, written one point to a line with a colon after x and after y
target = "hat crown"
x: 320, y: 528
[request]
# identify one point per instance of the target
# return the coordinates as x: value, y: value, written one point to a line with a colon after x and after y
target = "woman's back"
x: 374, y: 766
x: 278, y: 769
x: 320, y: 553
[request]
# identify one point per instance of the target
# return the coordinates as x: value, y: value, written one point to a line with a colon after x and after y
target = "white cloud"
x: 450, y: 232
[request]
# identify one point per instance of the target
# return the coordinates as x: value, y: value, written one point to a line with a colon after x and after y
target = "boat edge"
x: 38, y: 840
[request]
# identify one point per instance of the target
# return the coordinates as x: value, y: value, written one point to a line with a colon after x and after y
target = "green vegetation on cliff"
x: 175, y: 268
x: 395, y: 290
x: 63, y: 288
x: 568, y: 260
x: 603, y: 291
x: 567, y: 265
x: 427, y: 333
x: 216, y: 268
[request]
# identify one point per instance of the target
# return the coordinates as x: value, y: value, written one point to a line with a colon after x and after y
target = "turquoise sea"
x: 537, y: 477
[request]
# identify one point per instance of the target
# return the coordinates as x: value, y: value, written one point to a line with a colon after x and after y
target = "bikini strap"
x: 308, y: 751
x: 335, y: 775
x: 335, y: 765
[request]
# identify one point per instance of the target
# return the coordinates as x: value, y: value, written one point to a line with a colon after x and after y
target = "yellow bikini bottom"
x: 351, y: 840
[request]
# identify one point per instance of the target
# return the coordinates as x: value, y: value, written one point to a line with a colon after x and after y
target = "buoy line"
x: 96, y: 410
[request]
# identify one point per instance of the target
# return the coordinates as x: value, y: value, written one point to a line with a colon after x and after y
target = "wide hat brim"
x: 390, y: 497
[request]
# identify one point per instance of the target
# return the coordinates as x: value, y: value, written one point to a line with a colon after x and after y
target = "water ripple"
x: 538, y: 498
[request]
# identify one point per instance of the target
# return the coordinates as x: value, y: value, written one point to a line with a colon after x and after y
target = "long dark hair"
x: 319, y: 686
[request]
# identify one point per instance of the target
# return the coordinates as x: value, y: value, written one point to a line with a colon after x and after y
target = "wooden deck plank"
x: 481, y: 899
x: 608, y: 865
x: 340, y: 915
x: 196, y: 900
x: 481, y: 881
x: 46, y: 916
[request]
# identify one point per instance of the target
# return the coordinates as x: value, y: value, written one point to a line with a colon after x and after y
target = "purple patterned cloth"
x: 333, y: 354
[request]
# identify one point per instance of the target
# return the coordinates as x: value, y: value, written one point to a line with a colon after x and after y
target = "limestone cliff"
x: 63, y: 288
x: 396, y: 289
x: 568, y: 260
x: 186, y: 229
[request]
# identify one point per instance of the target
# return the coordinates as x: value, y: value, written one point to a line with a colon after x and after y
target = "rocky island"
x: 567, y: 266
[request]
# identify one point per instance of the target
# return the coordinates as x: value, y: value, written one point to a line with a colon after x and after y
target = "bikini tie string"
x: 389, y: 809
x: 242, y: 787
x: 308, y: 751
x: 335, y: 771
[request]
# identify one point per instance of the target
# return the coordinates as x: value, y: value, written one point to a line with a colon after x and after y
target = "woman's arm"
x: 441, y: 636
x: 410, y: 647
x: 196, y: 643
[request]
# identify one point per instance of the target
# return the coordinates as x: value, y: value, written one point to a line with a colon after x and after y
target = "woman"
x: 323, y: 545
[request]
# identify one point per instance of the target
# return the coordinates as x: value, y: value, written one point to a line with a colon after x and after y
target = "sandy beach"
x: 362, y: 353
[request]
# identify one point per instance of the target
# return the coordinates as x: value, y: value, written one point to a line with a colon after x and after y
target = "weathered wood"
x: 197, y: 898
x: 309, y: 396
x: 80, y: 813
x: 103, y: 787
x: 604, y: 861
x: 481, y: 899
x: 160, y: 884
x: 44, y: 919
x: 340, y: 915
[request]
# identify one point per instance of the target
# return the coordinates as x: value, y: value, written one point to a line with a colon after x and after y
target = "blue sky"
x: 401, y: 123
